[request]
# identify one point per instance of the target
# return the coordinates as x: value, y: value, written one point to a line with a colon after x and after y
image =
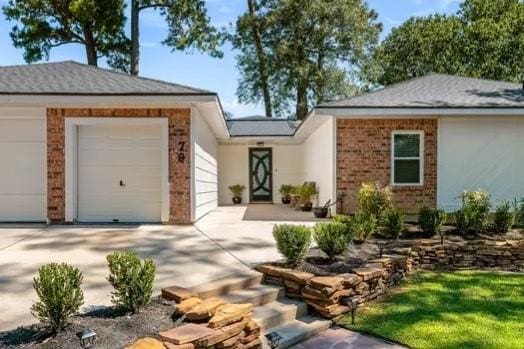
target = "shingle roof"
x: 74, y: 78
x: 439, y: 91
x: 261, y: 126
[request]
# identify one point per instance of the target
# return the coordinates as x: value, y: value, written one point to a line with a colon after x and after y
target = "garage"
x: 480, y: 153
x: 119, y: 173
x: 23, y: 169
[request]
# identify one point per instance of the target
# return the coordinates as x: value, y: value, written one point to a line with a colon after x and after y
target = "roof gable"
x: 72, y: 78
x: 438, y: 91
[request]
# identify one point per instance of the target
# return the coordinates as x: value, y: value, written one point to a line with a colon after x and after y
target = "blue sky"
x: 194, y: 69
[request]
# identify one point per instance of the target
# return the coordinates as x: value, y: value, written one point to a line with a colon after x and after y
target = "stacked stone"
x: 333, y: 295
x: 212, y: 323
x: 505, y: 254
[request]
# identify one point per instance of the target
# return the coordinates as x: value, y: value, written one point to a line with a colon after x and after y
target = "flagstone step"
x: 221, y: 287
x: 278, y: 313
x: 299, y: 330
x: 256, y: 295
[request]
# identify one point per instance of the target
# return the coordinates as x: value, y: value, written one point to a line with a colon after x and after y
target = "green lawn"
x: 445, y: 310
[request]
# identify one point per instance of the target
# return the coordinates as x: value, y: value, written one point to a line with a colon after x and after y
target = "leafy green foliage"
x: 484, y: 39
x: 286, y: 190
x: 132, y: 278
x: 375, y: 199
x: 431, y: 220
x: 504, y: 217
x: 293, y: 242
x: 237, y: 189
x: 45, y: 24
x: 392, y: 223
x: 472, y: 217
x: 362, y: 225
x: 519, y: 208
x: 307, y: 191
x: 58, y: 287
x: 331, y: 238
x: 313, y: 51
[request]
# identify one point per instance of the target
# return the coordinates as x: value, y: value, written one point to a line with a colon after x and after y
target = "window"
x: 407, y: 162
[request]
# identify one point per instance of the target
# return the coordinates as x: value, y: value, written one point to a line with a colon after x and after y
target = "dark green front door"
x: 260, y: 178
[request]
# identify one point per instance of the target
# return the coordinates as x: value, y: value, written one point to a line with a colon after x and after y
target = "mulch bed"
x: 114, y: 329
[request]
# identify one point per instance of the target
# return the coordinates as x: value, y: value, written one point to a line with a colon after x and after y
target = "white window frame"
x: 420, y: 157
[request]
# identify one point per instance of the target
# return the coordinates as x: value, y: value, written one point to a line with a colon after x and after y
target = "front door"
x: 260, y: 174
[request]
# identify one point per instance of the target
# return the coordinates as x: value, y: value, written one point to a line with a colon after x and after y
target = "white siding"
x: 205, y: 167
x: 234, y: 168
x: 23, y: 177
x: 483, y: 153
x: 319, y: 160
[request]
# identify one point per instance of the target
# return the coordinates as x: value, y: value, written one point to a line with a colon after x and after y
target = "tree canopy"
x: 45, y: 24
x: 314, y: 51
x: 484, y: 39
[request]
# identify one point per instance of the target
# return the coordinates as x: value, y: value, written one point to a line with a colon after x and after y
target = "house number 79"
x: 181, y: 155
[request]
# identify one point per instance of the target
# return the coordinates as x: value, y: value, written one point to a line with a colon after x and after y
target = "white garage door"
x: 485, y: 153
x: 119, y: 174
x: 22, y: 169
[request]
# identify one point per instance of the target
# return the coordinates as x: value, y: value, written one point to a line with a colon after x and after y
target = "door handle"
x: 122, y: 184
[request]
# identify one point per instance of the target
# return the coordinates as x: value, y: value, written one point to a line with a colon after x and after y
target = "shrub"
x: 346, y: 220
x: 519, y: 208
x: 362, y: 225
x: 132, y: 278
x: 504, y: 217
x: 237, y: 190
x: 331, y: 238
x: 374, y: 199
x: 58, y: 288
x: 286, y: 190
x: 431, y: 220
x: 392, y: 221
x: 472, y: 217
x: 292, y: 241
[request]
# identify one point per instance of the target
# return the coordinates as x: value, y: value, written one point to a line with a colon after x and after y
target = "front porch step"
x: 299, y: 330
x: 256, y: 295
x: 222, y: 287
x: 278, y: 313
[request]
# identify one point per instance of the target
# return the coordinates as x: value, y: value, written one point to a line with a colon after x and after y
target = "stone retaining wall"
x: 504, y: 254
x: 331, y: 296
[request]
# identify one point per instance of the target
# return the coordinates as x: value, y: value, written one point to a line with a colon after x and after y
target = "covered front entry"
x: 119, y: 173
x: 261, y: 174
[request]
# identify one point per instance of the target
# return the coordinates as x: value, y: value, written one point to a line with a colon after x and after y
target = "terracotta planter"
x: 237, y: 200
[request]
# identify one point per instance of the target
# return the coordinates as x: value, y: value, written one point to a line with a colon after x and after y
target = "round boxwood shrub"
x: 58, y: 287
x: 331, y: 238
x: 293, y: 242
x: 132, y: 278
x: 392, y: 223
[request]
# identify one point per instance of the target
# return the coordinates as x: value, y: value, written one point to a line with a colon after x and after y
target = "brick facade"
x: 179, y: 171
x: 364, y: 155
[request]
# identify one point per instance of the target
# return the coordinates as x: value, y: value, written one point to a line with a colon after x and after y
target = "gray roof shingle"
x: 438, y: 91
x: 72, y: 78
x: 261, y: 126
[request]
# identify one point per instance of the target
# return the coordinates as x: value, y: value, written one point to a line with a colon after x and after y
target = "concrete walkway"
x: 183, y: 256
x: 339, y: 338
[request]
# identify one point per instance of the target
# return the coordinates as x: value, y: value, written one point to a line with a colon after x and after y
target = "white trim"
x: 334, y: 155
x: 71, y: 164
x: 439, y: 161
x: 192, y: 165
x: 410, y: 113
x: 420, y: 158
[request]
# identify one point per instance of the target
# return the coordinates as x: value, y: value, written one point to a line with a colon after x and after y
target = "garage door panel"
x: 480, y: 153
x: 23, y: 177
x: 108, y: 155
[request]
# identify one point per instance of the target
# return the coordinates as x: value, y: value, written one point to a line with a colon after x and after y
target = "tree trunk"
x: 320, y: 79
x: 302, y: 108
x: 262, y: 69
x: 90, y: 45
x: 135, y: 37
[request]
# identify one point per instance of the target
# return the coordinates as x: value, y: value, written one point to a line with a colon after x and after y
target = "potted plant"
x: 286, y: 191
x: 322, y: 211
x: 307, y: 191
x: 237, y: 190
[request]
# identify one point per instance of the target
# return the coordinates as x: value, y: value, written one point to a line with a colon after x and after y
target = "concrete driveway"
x: 224, y: 242
x: 183, y: 255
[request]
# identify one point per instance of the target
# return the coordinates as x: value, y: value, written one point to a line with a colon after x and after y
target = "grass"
x: 445, y: 310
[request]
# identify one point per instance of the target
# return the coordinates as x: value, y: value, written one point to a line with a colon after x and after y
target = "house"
x: 79, y: 143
